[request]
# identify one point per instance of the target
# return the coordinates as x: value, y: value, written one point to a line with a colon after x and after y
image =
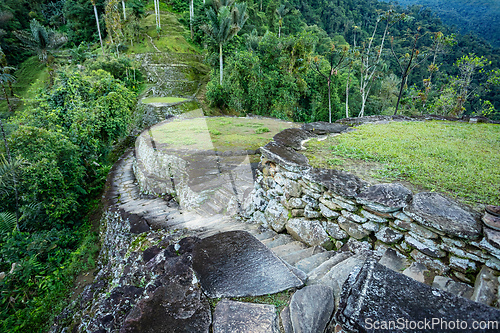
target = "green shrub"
x: 261, y: 130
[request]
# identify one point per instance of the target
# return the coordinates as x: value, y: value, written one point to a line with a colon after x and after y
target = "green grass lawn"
x: 168, y: 100
x: 220, y: 133
x: 459, y: 159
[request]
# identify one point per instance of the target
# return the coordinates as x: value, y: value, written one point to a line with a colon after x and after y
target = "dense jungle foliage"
x: 480, y: 17
x: 421, y: 62
x: 68, y: 102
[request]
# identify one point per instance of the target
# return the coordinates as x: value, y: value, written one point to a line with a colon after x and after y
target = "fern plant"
x: 7, y: 222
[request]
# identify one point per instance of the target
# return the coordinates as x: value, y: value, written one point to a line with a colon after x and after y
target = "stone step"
x: 337, y: 275
x: 319, y: 272
x: 228, y: 227
x: 288, y: 248
x: 294, y: 257
x: 268, y: 234
x: 310, y: 263
x: 280, y: 239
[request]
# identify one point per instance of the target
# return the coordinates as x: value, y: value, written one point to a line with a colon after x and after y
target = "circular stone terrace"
x: 207, y: 163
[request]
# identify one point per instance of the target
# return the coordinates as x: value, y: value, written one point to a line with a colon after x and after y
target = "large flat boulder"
x: 377, y: 298
x: 322, y: 127
x: 292, y: 137
x: 385, y: 198
x: 285, y: 156
x: 436, y: 211
x: 240, y: 317
x: 236, y: 264
x: 337, y: 181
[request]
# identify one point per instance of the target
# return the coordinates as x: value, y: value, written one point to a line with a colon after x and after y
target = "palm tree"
x: 124, y: 13
x: 41, y: 40
x: 281, y: 11
x: 157, y: 15
x: 225, y: 19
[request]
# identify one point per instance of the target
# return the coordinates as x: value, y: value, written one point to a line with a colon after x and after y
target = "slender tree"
x: 281, y: 12
x: 335, y: 61
x: 439, y: 46
x: 124, y: 12
x: 114, y: 24
x: 225, y: 19
x: 371, y: 56
x: 408, y: 62
x: 191, y: 16
x: 157, y: 14
x: 467, y: 66
x: 98, y: 27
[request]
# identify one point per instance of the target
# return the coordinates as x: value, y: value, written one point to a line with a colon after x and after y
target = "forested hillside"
x: 297, y: 60
x: 481, y: 17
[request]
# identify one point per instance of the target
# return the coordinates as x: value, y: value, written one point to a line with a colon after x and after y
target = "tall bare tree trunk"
x: 221, y: 66
x: 347, y: 92
x: 329, y: 102
x: 191, y: 16
x: 124, y: 13
x: 98, y: 27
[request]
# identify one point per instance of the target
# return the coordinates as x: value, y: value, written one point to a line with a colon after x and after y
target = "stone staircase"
x: 321, y: 267
x: 147, y: 212
x: 148, y: 280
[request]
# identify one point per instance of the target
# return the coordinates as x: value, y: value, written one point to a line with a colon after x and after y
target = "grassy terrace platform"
x: 459, y: 159
x: 163, y: 100
x: 220, y: 133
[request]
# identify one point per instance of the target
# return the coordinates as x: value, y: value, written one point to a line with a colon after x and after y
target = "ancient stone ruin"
x: 351, y: 256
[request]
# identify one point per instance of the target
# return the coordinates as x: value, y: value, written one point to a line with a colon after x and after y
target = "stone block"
x: 352, y: 229
x: 378, y: 294
x: 420, y: 273
x: 327, y: 212
x: 311, y: 308
x: 333, y: 230
x: 308, y: 231
x: 232, y: 316
x: 385, y: 198
x: 434, y: 210
x: 388, y: 235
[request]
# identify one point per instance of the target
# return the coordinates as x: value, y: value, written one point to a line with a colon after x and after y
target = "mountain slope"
x: 479, y: 16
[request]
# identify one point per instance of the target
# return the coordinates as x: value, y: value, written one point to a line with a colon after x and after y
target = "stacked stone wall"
x: 338, y: 210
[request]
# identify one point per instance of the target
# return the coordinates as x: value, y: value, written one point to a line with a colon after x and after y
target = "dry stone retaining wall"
x: 160, y: 172
x: 335, y: 209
